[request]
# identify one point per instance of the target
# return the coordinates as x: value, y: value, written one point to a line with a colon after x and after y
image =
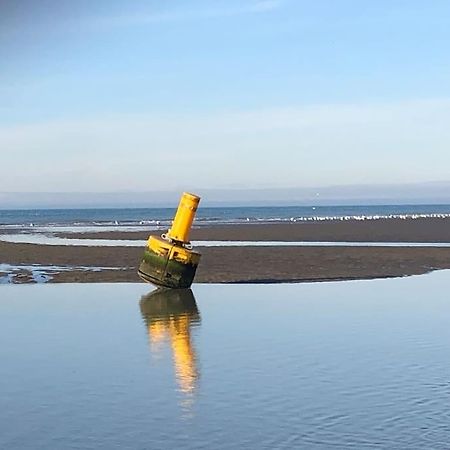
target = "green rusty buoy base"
x: 165, y: 272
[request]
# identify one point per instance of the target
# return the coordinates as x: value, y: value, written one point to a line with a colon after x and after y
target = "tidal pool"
x: 358, y: 364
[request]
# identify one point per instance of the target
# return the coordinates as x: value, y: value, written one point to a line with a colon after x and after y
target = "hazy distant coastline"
x: 395, y: 194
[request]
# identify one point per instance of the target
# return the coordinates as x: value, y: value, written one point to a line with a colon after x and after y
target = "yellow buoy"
x: 184, y: 217
x: 169, y: 260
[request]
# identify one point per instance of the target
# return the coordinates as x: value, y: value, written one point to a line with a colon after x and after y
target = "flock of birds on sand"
x: 374, y: 217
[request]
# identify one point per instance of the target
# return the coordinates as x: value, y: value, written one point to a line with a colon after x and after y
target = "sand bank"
x: 383, y: 230
x: 254, y: 264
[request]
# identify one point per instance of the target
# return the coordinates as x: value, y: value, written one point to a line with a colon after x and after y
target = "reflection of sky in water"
x: 40, y: 273
x: 53, y: 240
x: 354, y: 364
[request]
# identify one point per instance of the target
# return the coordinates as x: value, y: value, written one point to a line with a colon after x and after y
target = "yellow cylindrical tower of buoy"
x: 184, y: 217
x: 168, y: 260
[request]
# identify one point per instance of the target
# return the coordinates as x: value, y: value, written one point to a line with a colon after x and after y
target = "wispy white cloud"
x: 311, y: 145
x: 191, y: 14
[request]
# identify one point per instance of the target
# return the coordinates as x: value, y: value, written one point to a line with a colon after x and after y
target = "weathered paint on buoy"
x: 168, y: 260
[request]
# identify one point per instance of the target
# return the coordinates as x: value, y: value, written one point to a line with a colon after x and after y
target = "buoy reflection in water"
x: 170, y: 315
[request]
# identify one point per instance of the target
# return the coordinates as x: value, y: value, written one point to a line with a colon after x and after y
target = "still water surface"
x: 330, y: 365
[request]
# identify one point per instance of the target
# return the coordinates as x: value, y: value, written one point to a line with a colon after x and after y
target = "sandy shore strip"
x: 235, y: 264
x: 246, y: 264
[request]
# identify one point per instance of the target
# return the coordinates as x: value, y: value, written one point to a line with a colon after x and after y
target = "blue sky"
x: 119, y: 95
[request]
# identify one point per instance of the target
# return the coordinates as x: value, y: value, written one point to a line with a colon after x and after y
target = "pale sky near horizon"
x: 153, y: 95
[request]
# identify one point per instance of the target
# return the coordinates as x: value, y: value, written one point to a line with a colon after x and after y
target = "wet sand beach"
x: 381, y: 230
x: 259, y: 264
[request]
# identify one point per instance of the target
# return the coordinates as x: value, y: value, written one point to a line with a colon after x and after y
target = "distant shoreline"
x: 249, y: 264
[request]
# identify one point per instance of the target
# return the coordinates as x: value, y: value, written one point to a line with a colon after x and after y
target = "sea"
x: 135, y: 217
